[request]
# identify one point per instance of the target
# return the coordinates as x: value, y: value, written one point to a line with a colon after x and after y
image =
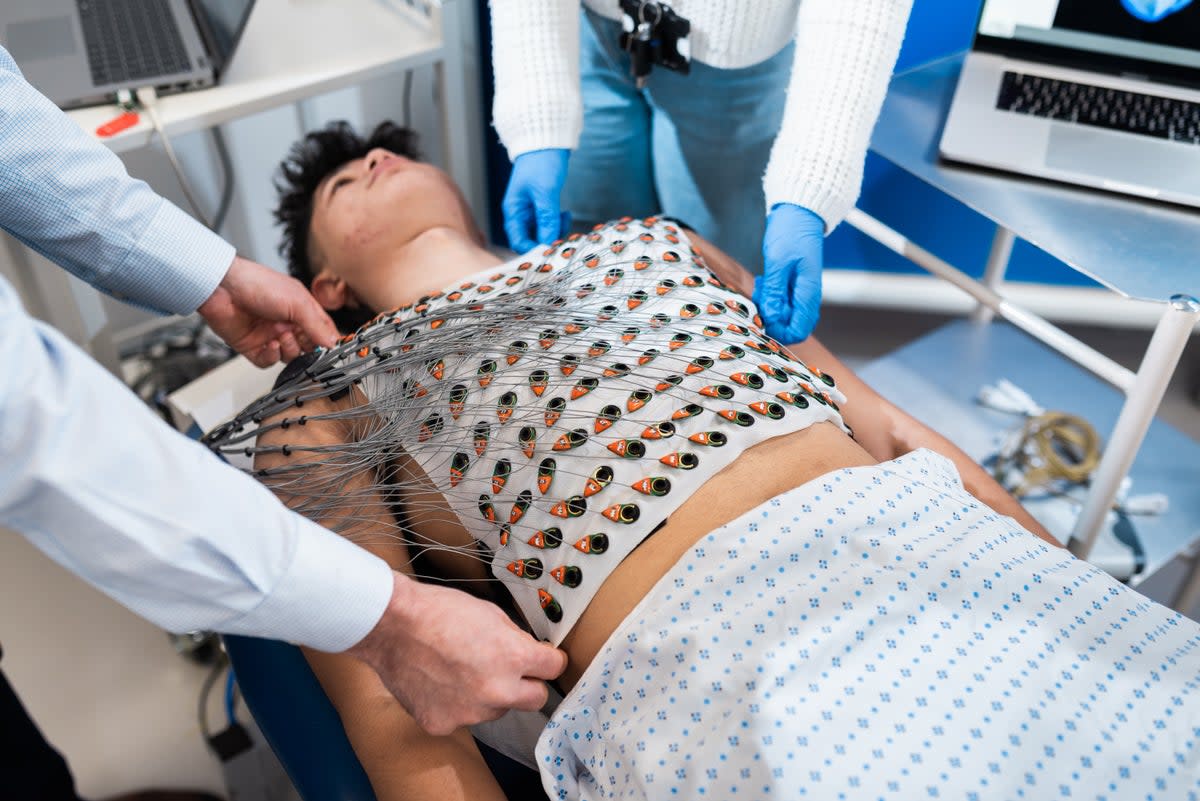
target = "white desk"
x: 291, y: 50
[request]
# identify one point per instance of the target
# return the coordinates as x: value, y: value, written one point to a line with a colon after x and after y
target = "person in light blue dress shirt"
x: 97, y: 482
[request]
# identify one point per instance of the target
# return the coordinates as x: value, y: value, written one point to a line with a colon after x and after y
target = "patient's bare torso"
x: 615, y: 373
x: 757, y: 475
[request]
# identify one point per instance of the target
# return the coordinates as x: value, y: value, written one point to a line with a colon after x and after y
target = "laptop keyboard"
x: 129, y: 40
x: 1132, y: 112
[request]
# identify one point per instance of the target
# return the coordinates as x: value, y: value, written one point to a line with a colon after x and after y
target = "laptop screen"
x: 1164, y: 32
x: 222, y: 22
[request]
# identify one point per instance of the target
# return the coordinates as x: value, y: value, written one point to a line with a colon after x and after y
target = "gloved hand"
x: 788, y: 293
x: 531, y: 203
x: 1154, y: 10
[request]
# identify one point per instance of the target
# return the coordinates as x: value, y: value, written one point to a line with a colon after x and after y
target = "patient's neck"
x: 433, y: 260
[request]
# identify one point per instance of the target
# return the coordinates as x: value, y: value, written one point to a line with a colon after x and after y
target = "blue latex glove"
x: 788, y: 293
x: 1154, y: 10
x: 532, y: 213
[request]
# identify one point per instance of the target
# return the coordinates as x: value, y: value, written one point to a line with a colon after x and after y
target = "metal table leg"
x: 1142, y: 400
x: 993, y: 273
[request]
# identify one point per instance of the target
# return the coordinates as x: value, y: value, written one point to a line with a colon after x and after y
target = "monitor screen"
x: 1158, y: 31
x: 223, y: 21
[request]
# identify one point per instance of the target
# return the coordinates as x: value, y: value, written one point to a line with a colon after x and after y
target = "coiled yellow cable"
x: 1051, y: 447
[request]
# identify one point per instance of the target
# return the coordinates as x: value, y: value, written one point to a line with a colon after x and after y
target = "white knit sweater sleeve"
x: 535, y: 55
x: 845, y: 53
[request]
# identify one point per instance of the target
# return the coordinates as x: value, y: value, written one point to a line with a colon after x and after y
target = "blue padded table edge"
x: 295, y: 715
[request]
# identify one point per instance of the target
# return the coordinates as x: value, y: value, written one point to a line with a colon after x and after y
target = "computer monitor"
x: 1139, y: 38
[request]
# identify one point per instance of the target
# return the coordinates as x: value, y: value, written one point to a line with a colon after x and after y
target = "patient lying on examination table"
x: 769, y: 580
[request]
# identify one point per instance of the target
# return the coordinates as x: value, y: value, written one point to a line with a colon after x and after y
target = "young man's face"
x: 370, y: 208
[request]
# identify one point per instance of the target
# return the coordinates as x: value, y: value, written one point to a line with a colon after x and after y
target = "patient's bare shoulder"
x: 295, y: 447
x: 321, y: 419
x: 301, y: 453
x: 726, y: 268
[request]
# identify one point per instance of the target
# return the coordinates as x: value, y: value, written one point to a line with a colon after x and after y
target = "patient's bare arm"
x: 879, y: 426
x: 402, y: 761
x: 887, y: 431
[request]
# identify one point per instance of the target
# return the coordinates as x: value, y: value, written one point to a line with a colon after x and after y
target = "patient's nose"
x: 376, y: 156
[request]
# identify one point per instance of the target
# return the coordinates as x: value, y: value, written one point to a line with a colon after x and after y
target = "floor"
x: 113, y: 694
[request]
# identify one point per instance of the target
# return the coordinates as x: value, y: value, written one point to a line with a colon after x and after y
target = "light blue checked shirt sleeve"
x: 69, y: 198
x: 101, y: 485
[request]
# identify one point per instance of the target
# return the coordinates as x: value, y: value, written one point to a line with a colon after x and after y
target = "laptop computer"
x: 82, y: 52
x: 1103, y: 93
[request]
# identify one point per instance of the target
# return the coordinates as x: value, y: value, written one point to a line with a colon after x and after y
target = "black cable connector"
x: 231, y: 743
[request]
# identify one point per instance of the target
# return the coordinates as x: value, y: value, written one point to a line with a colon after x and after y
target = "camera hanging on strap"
x: 652, y: 33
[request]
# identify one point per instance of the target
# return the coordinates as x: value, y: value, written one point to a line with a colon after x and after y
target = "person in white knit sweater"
x: 760, y: 147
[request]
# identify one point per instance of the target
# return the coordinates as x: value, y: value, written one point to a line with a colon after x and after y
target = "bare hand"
x: 266, y: 316
x: 453, y: 660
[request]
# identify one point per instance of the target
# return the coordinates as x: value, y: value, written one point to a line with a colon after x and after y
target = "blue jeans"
x: 689, y: 146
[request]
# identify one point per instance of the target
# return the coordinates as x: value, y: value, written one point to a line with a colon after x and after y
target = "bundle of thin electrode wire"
x: 342, y: 484
x: 401, y: 384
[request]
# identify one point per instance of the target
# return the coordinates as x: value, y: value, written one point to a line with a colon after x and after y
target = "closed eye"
x: 339, y: 183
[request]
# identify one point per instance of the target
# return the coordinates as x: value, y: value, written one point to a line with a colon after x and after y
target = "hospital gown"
x: 877, y: 633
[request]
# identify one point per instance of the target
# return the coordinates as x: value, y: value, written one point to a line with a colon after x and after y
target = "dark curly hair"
x: 310, y: 161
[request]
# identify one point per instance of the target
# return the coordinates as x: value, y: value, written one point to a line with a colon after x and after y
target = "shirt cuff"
x: 331, y: 596
x: 175, y: 266
x: 518, y: 144
x: 830, y: 203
